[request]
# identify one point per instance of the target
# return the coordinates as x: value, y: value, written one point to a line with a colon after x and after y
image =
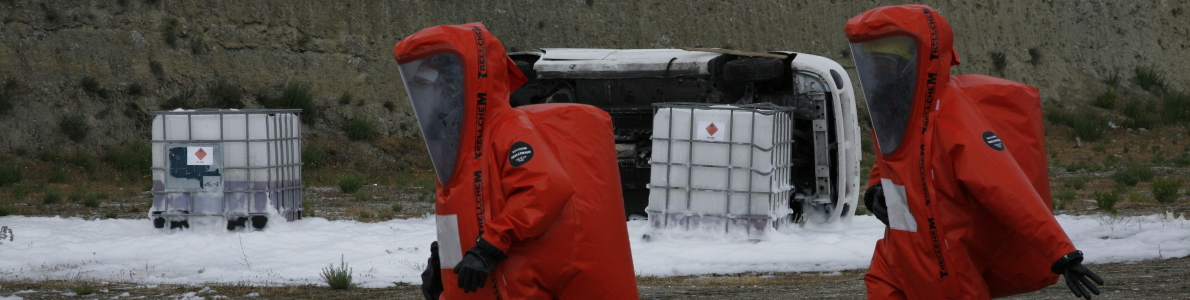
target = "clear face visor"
x: 435, y: 87
x: 887, y: 71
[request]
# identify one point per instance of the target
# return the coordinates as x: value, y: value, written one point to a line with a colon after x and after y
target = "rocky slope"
x: 142, y: 53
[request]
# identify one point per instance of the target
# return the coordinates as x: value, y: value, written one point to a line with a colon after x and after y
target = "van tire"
x: 753, y: 69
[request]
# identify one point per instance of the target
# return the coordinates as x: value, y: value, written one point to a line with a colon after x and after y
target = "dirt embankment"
x: 143, y: 53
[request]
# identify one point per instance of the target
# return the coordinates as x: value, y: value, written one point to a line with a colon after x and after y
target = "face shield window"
x: 435, y: 87
x: 887, y: 71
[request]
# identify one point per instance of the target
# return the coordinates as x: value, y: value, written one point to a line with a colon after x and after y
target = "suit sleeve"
x: 997, y: 182
x: 535, y: 185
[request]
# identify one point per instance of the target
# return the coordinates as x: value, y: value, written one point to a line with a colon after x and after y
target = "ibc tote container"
x: 721, y: 168
x: 238, y: 165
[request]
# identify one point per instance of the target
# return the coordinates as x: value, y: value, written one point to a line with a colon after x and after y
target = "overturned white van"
x: 716, y: 139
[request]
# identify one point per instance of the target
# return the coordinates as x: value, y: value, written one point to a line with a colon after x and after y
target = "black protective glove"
x: 431, y: 278
x: 874, y: 200
x: 476, y: 264
x: 1071, y: 267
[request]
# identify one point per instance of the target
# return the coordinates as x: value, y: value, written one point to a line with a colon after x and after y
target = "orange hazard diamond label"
x: 711, y: 131
x: 200, y: 156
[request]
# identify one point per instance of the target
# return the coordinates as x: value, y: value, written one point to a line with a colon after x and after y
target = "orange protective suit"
x: 522, y: 179
x: 965, y: 221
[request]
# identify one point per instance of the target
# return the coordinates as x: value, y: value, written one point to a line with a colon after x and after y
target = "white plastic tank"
x: 720, y: 167
x: 240, y: 165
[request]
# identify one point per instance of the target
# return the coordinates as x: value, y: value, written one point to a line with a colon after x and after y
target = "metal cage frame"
x: 782, y: 136
x: 278, y: 149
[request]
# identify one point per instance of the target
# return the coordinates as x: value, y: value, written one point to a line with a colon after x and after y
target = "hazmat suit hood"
x: 450, y: 73
x: 903, y: 56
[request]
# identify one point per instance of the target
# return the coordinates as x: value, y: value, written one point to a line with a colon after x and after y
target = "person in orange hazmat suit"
x: 526, y: 207
x: 964, y: 219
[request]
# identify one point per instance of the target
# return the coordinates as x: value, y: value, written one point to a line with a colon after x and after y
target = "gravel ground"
x: 1152, y: 279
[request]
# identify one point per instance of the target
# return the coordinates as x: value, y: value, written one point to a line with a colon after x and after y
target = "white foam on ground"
x: 121, y: 250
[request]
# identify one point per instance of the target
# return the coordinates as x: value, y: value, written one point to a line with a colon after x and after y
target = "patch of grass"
x: 90, y: 85
x: 198, y: 46
x: 1107, y: 100
x: 91, y: 202
x: 345, y: 98
x: 1136, y: 196
x: 390, y: 105
x: 181, y: 100
x: 359, y: 129
x: 135, y: 90
x: 351, y: 183
x: 1113, y: 79
x: 52, y: 15
x: 84, y: 289
x: 19, y: 191
x: 1099, y: 148
x: 1065, y: 195
x: 312, y: 156
x: 129, y: 156
x: 296, y: 95
x: 6, y: 210
x: 1133, y: 174
x: 75, y: 127
x: 1149, y: 79
x: 110, y: 215
x: 226, y: 95
x: 1165, y: 190
x: 361, y: 195
x: 10, y: 174
x: 51, y: 197
x: 397, y: 207
x: 170, y: 32
x: 83, y: 160
x: 999, y: 62
x: 338, y: 278
x: 1083, y: 165
x: 1088, y: 125
x: 1140, y: 115
x: 76, y: 196
x: 1062, y: 197
x: 132, y: 159
x: 57, y: 175
x: 1034, y: 56
x: 1176, y: 108
x: 6, y: 96
x: 157, y: 69
x: 1107, y: 200
x: 1077, y: 182
x: 1181, y: 161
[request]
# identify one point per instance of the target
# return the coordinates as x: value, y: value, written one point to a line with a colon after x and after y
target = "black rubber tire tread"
x: 753, y: 69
